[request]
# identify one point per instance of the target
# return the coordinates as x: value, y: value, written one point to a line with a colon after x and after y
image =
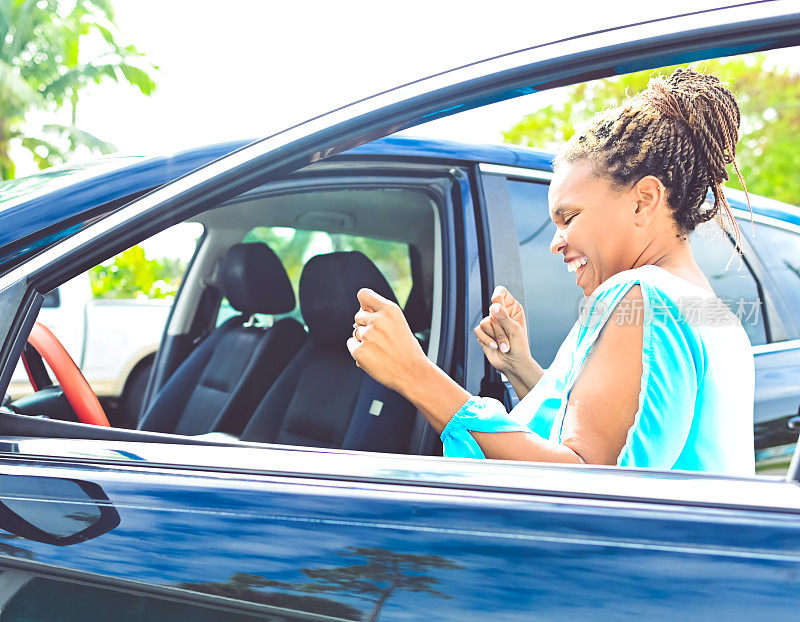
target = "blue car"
x: 264, y: 476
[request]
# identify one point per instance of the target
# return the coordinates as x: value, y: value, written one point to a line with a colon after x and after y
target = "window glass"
x: 730, y: 277
x: 779, y: 251
x: 295, y: 247
x: 551, y: 296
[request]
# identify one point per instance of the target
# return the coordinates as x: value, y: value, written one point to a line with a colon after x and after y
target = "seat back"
x: 323, y: 399
x: 221, y: 382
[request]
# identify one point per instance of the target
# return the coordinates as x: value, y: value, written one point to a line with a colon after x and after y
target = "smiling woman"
x: 656, y: 373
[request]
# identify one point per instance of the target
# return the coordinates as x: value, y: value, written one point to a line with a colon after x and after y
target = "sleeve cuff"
x: 478, y: 414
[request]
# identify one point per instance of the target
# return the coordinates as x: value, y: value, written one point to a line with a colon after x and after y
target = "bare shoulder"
x: 603, y: 402
x: 629, y: 312
x: 618, y: 350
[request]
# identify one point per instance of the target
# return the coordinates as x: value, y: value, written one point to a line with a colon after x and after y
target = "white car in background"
x: 112, y: 342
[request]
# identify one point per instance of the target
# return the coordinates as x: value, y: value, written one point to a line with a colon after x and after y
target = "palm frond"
x: 79, y: 138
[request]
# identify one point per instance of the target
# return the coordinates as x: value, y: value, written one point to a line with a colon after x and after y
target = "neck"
x: 672, y: 254
x: 676, y: 258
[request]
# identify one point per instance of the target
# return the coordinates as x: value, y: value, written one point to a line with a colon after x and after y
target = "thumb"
x: 370, y: 300
x: 499, y: 294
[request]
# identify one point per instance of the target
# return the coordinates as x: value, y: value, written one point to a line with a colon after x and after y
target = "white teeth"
x: 573, y: 265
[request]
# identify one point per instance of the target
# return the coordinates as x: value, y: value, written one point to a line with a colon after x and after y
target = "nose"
x: 558, y: 243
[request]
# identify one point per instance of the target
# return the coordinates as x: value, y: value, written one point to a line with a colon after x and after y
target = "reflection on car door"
x: 349, y: 536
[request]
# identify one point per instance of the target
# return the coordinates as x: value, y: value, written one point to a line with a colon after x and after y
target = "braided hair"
x: 682, y: 130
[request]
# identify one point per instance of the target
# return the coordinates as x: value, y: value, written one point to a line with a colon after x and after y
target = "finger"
x: 353, y: 345
x: 362, y: 317
x: 360, y: 333
x: 499, y: 294
x: 370, y: 300
x: 485, y: 326
x: 484, y: 339
x: 498, y: 316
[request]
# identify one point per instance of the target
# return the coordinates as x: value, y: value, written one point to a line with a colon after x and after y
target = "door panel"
x: 379, y: 551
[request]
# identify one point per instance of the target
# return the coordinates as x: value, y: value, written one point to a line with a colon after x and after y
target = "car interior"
x: 255, y: 347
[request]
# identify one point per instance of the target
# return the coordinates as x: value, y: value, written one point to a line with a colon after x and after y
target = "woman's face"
x: 595, y: 225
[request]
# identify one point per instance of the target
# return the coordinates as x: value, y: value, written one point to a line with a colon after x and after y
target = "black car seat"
x: 218, y: 386
x: 323, y: 399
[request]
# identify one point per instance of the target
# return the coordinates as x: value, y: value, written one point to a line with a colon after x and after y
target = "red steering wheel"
x: 77, y: 391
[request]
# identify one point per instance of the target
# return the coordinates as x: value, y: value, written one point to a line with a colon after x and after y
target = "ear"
x: 648, y: 194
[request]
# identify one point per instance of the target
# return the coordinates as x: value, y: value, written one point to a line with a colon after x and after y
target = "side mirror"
x: 54, y: 510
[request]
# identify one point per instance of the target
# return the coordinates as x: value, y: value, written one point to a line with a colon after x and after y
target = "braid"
x: 682, y: 130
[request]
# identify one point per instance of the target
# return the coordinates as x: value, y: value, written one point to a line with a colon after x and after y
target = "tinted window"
x: 551, y: 296
x: 779, y: 251
x: 730, y: 277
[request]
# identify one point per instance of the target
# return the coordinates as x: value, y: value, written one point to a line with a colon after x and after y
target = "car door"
x: 776, y: 245
x: 332, y: 536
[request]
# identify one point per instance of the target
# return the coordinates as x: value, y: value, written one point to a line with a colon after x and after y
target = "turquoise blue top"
x: 696, y: 398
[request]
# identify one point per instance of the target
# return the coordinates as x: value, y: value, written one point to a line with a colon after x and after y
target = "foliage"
x: 41, y: 70
x: 132, y: 275
x: 768, y: 97
x: 296, y: 246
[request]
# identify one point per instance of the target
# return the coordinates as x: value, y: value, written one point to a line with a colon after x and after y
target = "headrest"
x: 328, y: 287
x: 255, y: 281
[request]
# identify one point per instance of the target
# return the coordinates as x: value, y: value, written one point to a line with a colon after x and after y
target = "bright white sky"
x: 234, y: 69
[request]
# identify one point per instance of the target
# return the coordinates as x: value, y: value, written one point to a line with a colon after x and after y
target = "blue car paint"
x: 538, y: 556
x: 28, y: 226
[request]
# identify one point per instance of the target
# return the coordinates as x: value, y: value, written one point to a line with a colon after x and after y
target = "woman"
x: 643, y: 379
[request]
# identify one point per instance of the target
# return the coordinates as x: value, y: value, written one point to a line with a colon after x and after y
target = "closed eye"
x: 568, y: 220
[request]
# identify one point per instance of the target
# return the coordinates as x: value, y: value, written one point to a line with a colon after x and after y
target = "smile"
x: 573, y: 265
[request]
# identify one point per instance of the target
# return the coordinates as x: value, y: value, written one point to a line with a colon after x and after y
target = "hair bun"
x: 683, y: 130
x: 708, y: 109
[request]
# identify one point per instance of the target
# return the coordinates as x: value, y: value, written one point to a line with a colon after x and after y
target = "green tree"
x: 132, y: 275
x: 41, y: 70
x: 769, y: 98
x: 296, y: 246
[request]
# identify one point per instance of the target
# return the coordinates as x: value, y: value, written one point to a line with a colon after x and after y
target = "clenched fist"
x: 503, y: 333
x: 382, y: 343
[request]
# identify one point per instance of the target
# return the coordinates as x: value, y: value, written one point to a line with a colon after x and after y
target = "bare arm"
x: 601, y: 408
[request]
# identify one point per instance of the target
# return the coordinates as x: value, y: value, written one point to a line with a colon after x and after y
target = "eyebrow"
x: 558, y: 212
